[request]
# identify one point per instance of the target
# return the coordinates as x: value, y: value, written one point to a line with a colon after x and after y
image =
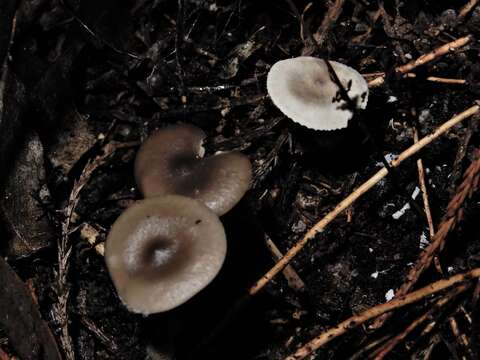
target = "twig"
x: 105, y: 339
x: 62, y: 290
x: 475, y: 326
x: 360, y: 354
x: 434, y: 341
x: 305, y: 33
x: 332, y: 15
x: 460, y: 338
x: 293, y: 280
x: 465, y: 10
x: 350, y: 199
x: 425, y: 58
x: 452, y: 349
x: 372, y: 77
x: 453, y: 215
x: 436, y: 53
x: 446, y: 80
x: 456, y: 169
x: 356, y: 320
x: 388, y: 346
x: 423, y: 188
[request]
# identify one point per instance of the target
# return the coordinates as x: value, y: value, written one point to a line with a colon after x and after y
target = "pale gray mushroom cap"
x: 303, y: 90
x: 162, y: 251
x: 171, y: 162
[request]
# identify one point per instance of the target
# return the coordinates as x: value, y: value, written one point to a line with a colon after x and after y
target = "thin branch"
x: 466, y: 9
x: 425, y: 58
x: 372, y: 77
x: 293, y: 279
x: 330, y: 18
x: 357, y: 320
x: 350, y: 199
x: 446, y: 80
x: 389, y: 345
x: 423, y: 188
x: 460, y: 338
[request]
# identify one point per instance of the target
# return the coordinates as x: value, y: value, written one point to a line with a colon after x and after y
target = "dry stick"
x: 356, y: 320
x: 373, y: 76
x: 293, y: 280
x: 423, y: 188
x: 434, y: 341
x: 350, y: 199
x: 454, y: 213
x: 460, y: 338
x: 465, y: 10
x: 426, y: 204
x: 475, y: 326
x: 330, y: 18
x: 388, y: 346
x: 446, y: 80
x: 360, y: 354
x: 320, y: 35
x: 425, y: 58
x: 373, y: 19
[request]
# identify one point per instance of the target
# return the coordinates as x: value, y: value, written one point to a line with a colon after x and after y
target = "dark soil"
x: 81, y: 74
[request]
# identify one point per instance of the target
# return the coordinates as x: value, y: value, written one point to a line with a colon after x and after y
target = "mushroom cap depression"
x: 170, y: 162
x: 303, y: 90
x: 162, y: 251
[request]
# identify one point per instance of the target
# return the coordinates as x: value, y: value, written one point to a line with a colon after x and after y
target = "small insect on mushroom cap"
x: 162, y: 251
x: 304, y: 91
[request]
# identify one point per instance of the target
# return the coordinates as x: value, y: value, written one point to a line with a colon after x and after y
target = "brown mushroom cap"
x: 170, y: 162
x: 303, y: 90
x: 162, y: 251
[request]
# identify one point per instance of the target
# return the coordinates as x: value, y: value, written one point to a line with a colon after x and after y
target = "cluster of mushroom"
x: 165, y: 249
x: 169, y: 246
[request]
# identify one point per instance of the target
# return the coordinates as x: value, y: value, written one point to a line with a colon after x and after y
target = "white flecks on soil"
x: 389, y: 295
x: 424, y: 115
x: 399, y: 213
x: 424, y: 240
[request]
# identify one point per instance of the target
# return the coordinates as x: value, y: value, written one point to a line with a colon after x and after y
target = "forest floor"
x: 85, y: 82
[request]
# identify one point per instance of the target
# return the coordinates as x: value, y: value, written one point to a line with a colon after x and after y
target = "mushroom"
x: 162, y: 251
x: 170, y: 162
x: 304, y: 91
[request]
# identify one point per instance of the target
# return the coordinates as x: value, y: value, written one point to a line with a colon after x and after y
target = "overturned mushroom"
x: 170, y: 162
x: 162, y: 251
x: 304, y: 91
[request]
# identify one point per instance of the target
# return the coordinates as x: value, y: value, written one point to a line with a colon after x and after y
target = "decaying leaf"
x: 71, y: 142
x: 27, y: 333
x: 12, y: 101
x: 24, y: 186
